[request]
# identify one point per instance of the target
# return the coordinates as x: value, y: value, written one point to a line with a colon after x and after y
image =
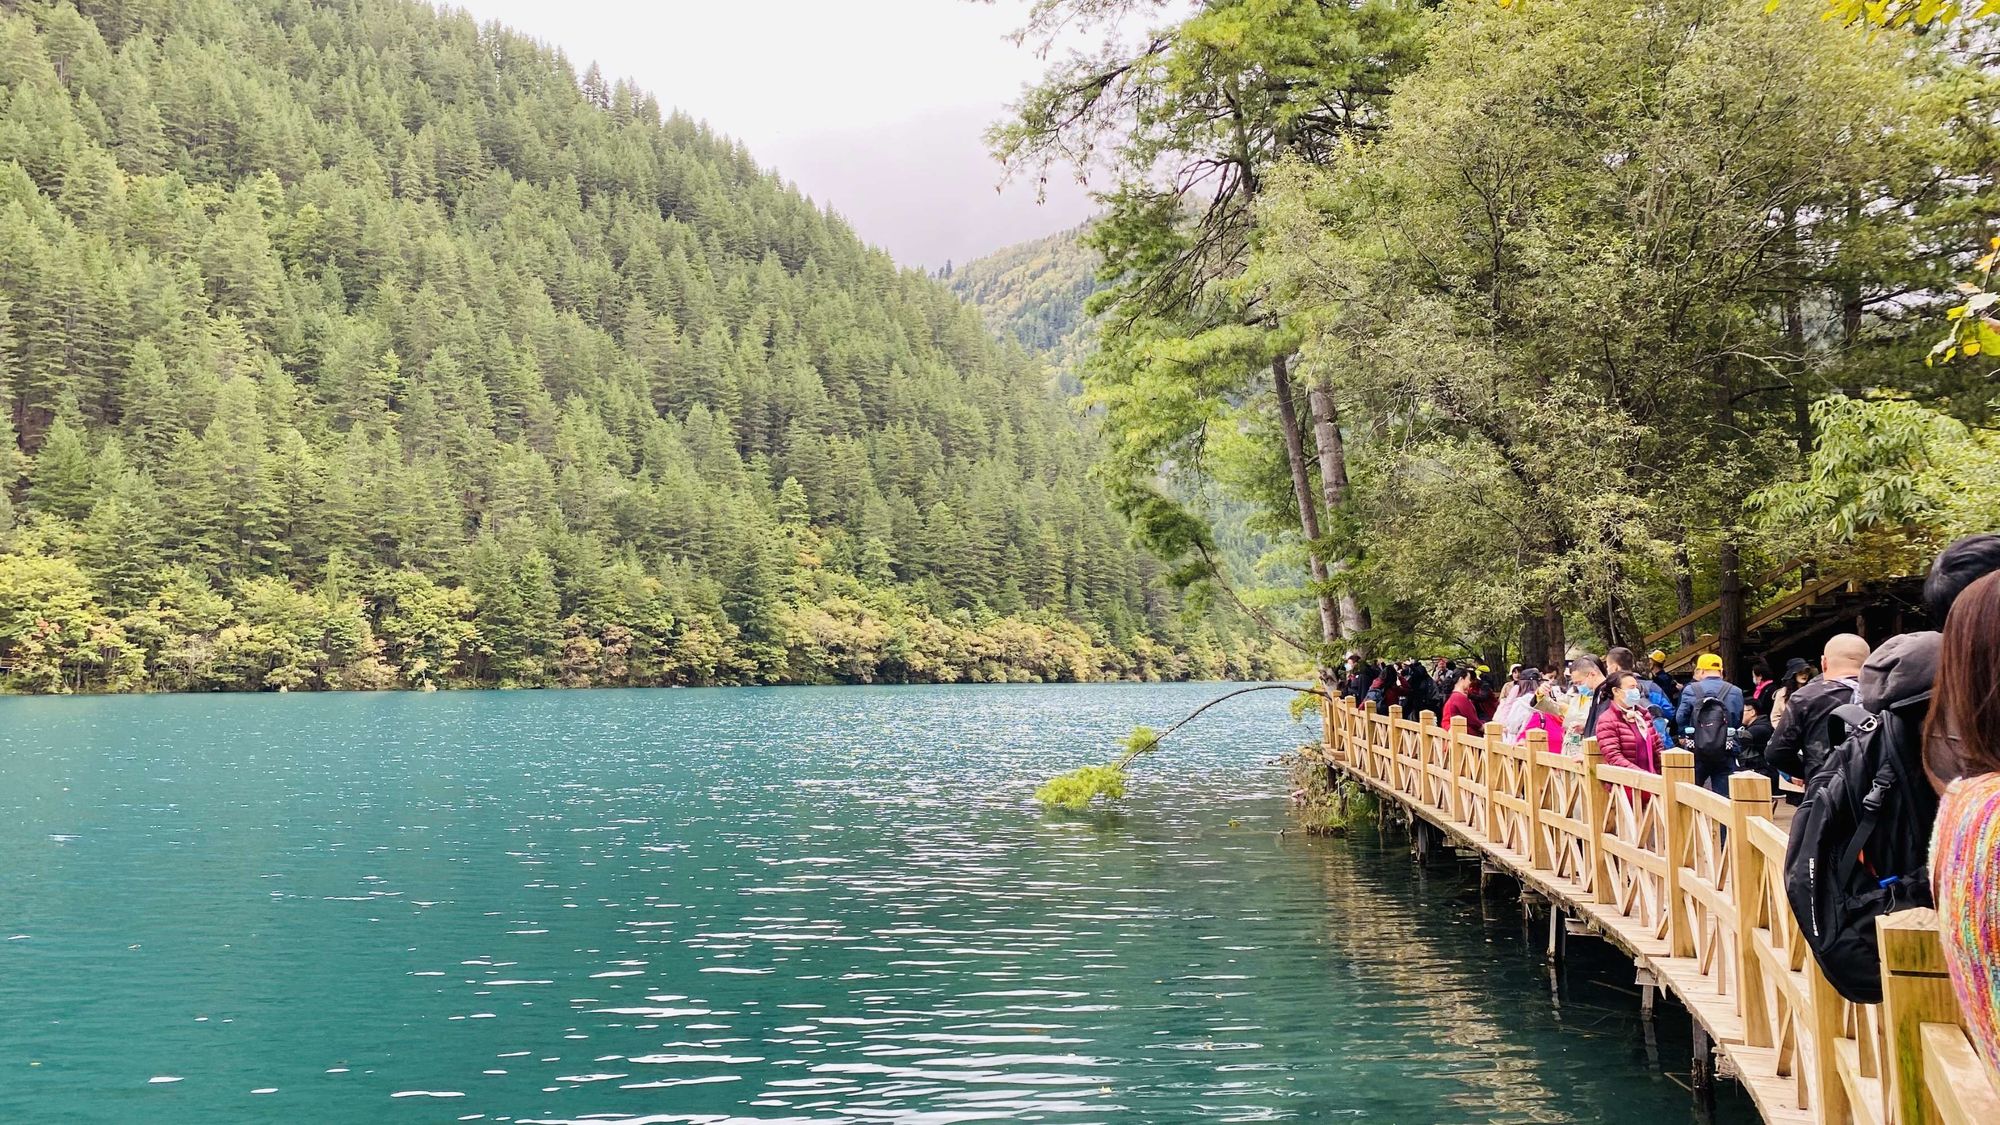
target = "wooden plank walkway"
x: 1690, y: 885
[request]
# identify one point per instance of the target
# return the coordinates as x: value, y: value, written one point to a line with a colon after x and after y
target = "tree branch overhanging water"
x: 1076, y: 789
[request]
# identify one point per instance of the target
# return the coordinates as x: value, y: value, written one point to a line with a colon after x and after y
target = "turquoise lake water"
x: 736, y: 906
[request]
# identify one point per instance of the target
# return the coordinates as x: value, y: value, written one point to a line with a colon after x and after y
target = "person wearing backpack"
x: 1710, y: 708
x: 1860, y: 845
x: 1809, y: 728
x: 1962, y: 744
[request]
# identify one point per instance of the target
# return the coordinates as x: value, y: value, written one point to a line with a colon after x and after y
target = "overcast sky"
x: 876, y: 106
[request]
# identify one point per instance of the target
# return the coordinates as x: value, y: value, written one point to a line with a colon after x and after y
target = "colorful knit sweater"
x: 1965, y: 876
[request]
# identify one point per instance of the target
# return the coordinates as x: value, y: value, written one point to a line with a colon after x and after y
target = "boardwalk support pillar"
x: 1558, y: 935
x: 1702, y: 1076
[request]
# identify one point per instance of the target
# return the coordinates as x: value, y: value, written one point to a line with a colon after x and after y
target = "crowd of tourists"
x: 1890, y: 752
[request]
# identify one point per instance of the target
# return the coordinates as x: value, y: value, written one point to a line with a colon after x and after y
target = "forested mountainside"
x: 352, y: 344
x: 1034, y: 292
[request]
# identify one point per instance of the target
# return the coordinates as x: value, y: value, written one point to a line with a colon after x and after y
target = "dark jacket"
x: 1898, y: 678
x: 1669, y: 687
x: 1752, y: 743
x: 1359, y: 681
x: 1419, y: 694
x: 1808, y: 728
x: 1899, y: 675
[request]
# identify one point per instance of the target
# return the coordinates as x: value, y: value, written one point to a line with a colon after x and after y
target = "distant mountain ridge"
x: 1034, y: 293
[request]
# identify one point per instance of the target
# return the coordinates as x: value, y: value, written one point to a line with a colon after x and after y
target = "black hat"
x: 1958, y: 566
x: 1795, y: 665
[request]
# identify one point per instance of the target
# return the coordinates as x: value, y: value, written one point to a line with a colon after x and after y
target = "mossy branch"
x: 1075, y: 790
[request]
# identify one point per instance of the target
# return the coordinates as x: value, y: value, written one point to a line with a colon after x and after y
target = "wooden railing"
x: 1691, y: 884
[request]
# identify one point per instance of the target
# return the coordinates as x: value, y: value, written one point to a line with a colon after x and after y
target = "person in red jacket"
x: 1459, y: 704
x: 1625, y: 733
x: 1482, y: 695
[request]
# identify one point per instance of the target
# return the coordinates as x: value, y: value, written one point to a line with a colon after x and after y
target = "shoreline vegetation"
x: 402, y: 630
x: 364, y: 346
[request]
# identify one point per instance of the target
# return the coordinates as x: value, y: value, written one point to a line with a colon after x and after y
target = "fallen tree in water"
x: 1076, y: 789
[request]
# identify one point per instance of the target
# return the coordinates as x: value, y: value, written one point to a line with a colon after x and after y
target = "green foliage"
x: 1887, y: 474
x: 1075, y: 790
x: 1323, y: 806
x: 1973, y: 328
x: 1142, y: 740
x: 1035, y: 293
x: 1891, y: 14
x: 344, y: 346
x: 1584, y: 289
x: 1562, y: 283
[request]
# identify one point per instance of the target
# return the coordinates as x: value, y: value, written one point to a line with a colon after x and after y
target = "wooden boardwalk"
x: 1689, y: 884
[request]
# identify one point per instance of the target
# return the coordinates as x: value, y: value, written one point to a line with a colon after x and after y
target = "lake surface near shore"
x: 751, y: 905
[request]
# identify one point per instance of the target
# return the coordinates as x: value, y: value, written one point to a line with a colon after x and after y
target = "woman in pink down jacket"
x: 1625, y: 735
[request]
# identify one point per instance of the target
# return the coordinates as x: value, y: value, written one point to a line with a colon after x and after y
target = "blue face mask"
x: 1631, y: 697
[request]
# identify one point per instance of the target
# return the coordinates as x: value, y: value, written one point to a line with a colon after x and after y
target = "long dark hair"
x: 1962, y: 732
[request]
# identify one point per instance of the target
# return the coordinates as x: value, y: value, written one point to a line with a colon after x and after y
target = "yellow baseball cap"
x: 1709, y: 662
x: 1657, y: 654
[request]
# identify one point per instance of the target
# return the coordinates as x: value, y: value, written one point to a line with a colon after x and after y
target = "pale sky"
x: 875, y: 106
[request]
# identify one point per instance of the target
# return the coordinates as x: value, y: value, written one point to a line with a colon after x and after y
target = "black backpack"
x: 1711, y: 730
x: 1859, y: 846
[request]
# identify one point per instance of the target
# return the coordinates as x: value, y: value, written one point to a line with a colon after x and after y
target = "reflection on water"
x: 809, y: 905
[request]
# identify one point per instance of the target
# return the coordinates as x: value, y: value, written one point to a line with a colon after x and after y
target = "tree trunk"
x: 1795, y: 350
x: 1795, y: 366
x: 1302, y: 490
x: 1534, y: 636
x: 1684, y: 590
x: 1729, y: 631
x: 1552, y: 631
x: 1333, y: 484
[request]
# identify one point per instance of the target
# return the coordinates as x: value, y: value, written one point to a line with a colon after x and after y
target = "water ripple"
x: 784, y: 907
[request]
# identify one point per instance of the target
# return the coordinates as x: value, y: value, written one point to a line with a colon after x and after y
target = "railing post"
x: 1327, y: 725
x: 1489, y: 772
x: 1446, y: 799
x: 1453, y: 746
x: 1823, y: 1021
x: 1384, y: 724
x: 1675, y: 819
x: 1467, y: 751
x: 1539, y: 856
x: 1394, y: 727
x: 1595, y: 801
x: 1427, y: 730
x: 1749, y: 799
x: 1361, y: 737
x: 1916, y: 990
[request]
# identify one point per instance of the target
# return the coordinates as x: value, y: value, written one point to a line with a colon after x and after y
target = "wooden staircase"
x: 1788, y: 615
